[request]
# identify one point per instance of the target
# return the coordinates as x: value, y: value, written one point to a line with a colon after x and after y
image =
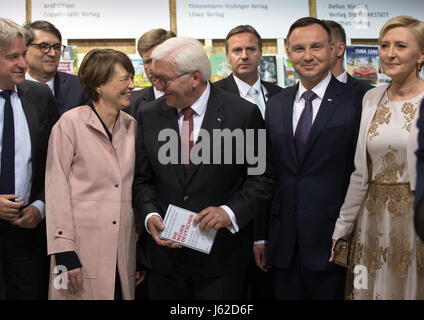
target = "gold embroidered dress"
x: 385, y: 241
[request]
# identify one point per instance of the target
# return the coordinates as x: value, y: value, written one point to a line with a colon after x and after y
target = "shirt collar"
x: 319, y: 89
x: 245, y: 87
x: 342, y: 77
x: 14, y: 89
x: 157, y: 93
x: 199, y: 106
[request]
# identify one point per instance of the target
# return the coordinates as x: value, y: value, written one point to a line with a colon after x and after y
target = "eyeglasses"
x: 45, y: 47
x: 164, y: 82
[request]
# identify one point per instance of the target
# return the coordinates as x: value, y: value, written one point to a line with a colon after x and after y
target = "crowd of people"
x: 84, y: 187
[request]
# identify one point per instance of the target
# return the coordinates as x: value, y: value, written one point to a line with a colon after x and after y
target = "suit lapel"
x: 150, y: 96
x: 232, y: 85
x: 213, y: 119
x: 287, y: 119
x: 270, y: 88
x: 329, y: 104
x: 59, y: 92
x: 169, y: 120
x: 33, y: 119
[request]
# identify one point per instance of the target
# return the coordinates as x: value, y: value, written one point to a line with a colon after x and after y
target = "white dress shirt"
x: 299, y: 101
x: 244, y: 88
x: 49, y: 83
x: 199, y: 108
x: 157, y: 93
x: 342, y: 77
x: 23, y: 160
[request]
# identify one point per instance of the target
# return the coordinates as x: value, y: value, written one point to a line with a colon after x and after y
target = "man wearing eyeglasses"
x: 43, y: 56
x: 224, y: 193
x: 145, y: 46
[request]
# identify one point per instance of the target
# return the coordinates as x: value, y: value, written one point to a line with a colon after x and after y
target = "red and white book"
x: 179, y: 228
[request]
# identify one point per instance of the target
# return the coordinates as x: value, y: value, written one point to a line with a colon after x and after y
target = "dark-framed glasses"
x: 45, y: 47
x: 164, y: 81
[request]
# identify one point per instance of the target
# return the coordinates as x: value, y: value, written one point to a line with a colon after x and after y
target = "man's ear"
x: 197, y: 78
x: 340, y: 49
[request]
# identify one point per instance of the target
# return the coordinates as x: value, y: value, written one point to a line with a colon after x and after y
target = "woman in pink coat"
x: 90, y: 166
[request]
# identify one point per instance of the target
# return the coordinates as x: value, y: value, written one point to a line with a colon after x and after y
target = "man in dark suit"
x: 27, y: 114
x: 313, y: 129
x: 338, y: 38
x: 419, y: 190
x: 243, y: 49
x: 225, y: 194
x: 43, y: 57
x: 145, y: 46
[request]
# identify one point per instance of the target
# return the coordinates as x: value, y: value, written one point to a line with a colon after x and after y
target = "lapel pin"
x: 219, y: 119
x: 330, y: 100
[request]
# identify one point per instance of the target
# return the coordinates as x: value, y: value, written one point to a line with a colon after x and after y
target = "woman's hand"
x: 75, y: 280
x: 332, y: 251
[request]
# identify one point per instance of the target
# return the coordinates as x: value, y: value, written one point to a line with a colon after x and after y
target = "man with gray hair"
x: 27, y: 114
x: 224, y: 195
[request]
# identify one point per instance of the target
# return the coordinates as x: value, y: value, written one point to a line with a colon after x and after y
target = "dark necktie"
x: 187, y: 141
x: 304, y: 125
x: 7, y: 175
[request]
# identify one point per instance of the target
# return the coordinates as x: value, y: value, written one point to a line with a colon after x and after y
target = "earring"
x: 99, y: 92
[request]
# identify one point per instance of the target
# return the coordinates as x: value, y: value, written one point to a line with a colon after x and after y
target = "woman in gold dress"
x: 386, y: 257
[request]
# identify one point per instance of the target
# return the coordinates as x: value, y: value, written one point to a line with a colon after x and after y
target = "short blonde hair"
x: 153, y: 38
x: 416, y: 26
x: 10, y: 30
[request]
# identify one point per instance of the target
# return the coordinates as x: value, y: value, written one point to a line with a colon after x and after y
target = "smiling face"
x: 400, y: 53
x: 178, y: 89
x: 43, y: 66
x: 117, y: 90
x: 12, y: 64
x: 310, y: 53
x: 244, y: 56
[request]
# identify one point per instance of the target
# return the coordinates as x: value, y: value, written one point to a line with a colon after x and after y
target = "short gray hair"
x: 185, y: 54
x: 10, y: 30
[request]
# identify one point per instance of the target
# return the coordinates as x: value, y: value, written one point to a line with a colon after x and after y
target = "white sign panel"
x: 103, y: 19
x: 364, y: 18
x: 213, y: 19
x: 13, y: 10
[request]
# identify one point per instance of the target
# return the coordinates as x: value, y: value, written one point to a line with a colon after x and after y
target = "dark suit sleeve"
x: 52, y: 116
x: 419, y: 191
x: 144, y: 190
x: 255, y: 195
x: 260, y: 222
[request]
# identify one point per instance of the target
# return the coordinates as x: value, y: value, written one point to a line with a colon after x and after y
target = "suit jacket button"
x: 116, y: 185
x: 114, y: 222
x: 60, y: 233
x: 185, y: 198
